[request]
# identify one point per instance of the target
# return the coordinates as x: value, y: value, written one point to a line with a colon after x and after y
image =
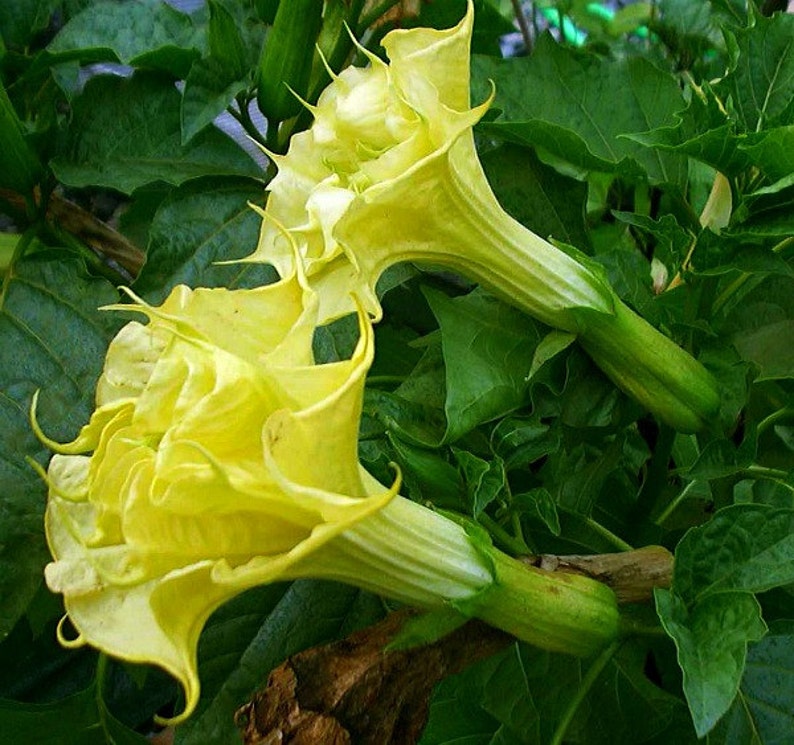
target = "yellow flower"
x: 220, y: 457
x: 388, y: 172
x: 204, y: 418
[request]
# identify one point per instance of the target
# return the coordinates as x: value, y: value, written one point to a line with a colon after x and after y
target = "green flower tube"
x: 220, y: 457
x: 388, y: 172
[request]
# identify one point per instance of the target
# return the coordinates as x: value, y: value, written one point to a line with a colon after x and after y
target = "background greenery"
x: 608, y: 136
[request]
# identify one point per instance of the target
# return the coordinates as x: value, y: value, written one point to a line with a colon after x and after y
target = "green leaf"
x: 761, y: 84
x: 225, y: 43
x: 540, y: 504
x: 126, y: 133
x: 413, y: 422
x: 563, y: 101
x: 711, y: 613
x: 550, y: 346
x: 772, y: 150
x: 81, y: 719
x: 484, y: 480
x: 746, y: 548
x: 428, y: 476
x: 53, y: 339
x: 249, y: 636
x: 426, y: 629
x: 548, y: 203
x: 672, y: 240
x: 763, y: 711
x: 134, y: 32
x: 521, y: 441
x: 22, y: 20
x: 215, y: 80
x: 488, y: 349
x: 209, y: 89
x: 711, y: 639
x: 720, y: 458
x: 760, y: 328
x: 337, y: 340
x: 199, y: 224
x: 703, y: 131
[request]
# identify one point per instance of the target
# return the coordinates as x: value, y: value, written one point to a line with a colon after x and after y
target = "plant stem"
x: 773, y: 418
x: 8, y: 247
x: 244, y: 119
x: 514, y: 545
x: 584, y: 688
x: 725, y: 295
x: 635, y: 628
x: 763, y: 472
x: 619, y: 543
x: 656, y: 476
x: 675, y: 503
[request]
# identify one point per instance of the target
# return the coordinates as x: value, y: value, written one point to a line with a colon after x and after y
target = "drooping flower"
x: 388, y: 172
x: 220, y: 457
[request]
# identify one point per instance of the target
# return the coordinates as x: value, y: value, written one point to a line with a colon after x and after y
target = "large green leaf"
x: 81, y: 719
x: 134, y: 32
x: 711, y: 639
x: 488, y: 349
x: 536, y: 195
x: 126, y: 133
x: 761, y: 84
x: 199, y: 224
x: 760, y: 328
x: 562, y: 100
x: 763, y: 712
x: 711, y: 612
x: 747, y: 547
x: 52, y: 339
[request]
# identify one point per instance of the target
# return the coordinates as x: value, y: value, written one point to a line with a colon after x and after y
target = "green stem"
x: 734, y: 286
x: 656, y: 476
x: 762, y: 472
x: 101, y: 678
x: 619, y: 543
x: 673, y: 506
x: 584, y: 688
x: 526, y: 35
x: 515, y: 546
x: 635, y: 628
x: 244, y: 118
x: 773, y: 418
x: 8, y: 247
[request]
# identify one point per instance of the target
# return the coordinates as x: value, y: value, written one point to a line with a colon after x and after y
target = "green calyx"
x: 555, y: 611
x: 651, y: 368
